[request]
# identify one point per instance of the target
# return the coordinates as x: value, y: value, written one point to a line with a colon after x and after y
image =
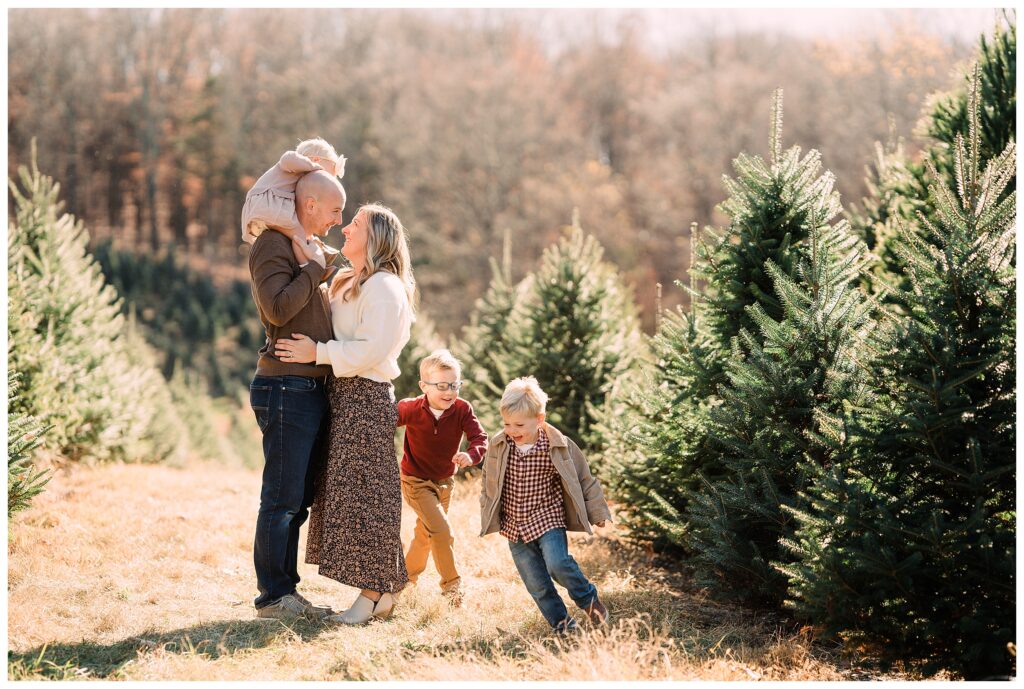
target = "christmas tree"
x: 781, y: 414
x: 994, y: 76
x: 771, y: 205
x: 575, y: 329
x: 657, y: 430
x: 83, y: 372
x: 24, y: 435
x: 911, y: 542
x: 483, y: 349
x: 188, y: 320
x: 898, y: 185
x: 894, y: 195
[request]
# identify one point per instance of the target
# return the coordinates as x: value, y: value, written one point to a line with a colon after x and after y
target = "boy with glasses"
x: 435, y: 423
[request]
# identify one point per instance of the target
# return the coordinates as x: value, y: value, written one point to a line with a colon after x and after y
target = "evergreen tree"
x: 894, y: 185
x: 576, y: 330
x: 197, y: 413
x: 242, y: 436
x: 657, y: 430
x: 994, y: 75
x: 911, y: 543
x: 24, y: 435
x: 898, y: 185
x: 189, y: 320
x: 81, y: 372
x: 161, y: 430
x: 770, y: 207
x: 483, y: 349
x: 782, y: 413
x: 220, y: 428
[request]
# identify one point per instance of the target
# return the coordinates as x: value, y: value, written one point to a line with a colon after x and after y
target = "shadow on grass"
x: 106, y: 661
x: 661, y: 595
x: 484, y: 649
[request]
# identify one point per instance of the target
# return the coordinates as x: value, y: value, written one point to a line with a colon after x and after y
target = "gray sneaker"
x: 316, y: 612
x: 286, y: 608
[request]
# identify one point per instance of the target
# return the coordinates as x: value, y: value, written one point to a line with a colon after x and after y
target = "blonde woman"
x: 355, y: 522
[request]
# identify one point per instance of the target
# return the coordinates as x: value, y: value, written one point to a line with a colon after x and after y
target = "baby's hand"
x: 461, y: 460
x: 297, y: 249
x: 330, y: 253
x: 308, y: 251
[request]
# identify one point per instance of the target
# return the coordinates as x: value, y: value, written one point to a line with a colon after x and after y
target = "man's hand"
x: 301, y: 350
x: 461, y: 460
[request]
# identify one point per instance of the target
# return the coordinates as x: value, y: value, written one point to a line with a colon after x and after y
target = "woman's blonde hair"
x: 387, y: 249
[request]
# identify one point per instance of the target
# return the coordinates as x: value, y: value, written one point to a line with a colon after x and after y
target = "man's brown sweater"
x: 290, y: 300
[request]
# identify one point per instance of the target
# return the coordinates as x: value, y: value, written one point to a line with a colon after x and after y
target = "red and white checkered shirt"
x: 531, y: 499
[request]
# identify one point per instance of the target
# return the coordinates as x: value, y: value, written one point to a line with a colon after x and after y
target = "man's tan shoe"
x: 286, y: 608
x: 314, y: 612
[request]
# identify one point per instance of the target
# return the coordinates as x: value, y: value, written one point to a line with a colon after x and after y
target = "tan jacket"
x: 581, y: 493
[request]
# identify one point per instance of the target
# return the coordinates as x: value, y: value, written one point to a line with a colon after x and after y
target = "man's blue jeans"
x: 293, y: 414
x: 548, y: 558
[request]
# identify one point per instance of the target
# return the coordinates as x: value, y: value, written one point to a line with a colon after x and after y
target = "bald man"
x: 289, y: 399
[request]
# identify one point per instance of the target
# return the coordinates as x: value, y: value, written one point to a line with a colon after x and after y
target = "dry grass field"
x: 133, y: 572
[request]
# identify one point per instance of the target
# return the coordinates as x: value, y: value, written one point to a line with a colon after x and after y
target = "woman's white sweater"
x: 369, y: 330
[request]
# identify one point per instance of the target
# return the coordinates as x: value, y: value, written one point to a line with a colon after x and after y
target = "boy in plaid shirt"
x: 537, y: 485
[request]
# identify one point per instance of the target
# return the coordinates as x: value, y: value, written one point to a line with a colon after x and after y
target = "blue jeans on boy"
x: 546, y: 558
x: 293, y: 414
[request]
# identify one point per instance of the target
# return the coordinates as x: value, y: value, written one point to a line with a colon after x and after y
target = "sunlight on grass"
x: 145, y: 573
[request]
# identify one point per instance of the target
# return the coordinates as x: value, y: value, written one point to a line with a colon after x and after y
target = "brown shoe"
x: 596, y: 611
x: 454, y: 597
x: 565, y: 627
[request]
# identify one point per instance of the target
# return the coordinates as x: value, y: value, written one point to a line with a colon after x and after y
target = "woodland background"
x: 781, y: 327
x: 157, y: 122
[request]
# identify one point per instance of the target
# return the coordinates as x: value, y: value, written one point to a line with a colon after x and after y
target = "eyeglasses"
x: 444, y: 387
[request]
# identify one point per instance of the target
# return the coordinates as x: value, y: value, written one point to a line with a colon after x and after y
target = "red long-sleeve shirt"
x: 431, y: 443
